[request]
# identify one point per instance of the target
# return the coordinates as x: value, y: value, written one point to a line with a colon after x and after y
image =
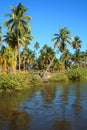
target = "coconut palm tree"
x: 77, y: 55
x: 36, y: 46
x: 66, y: 59
x: 46, y: 55
x: 7, y: 58
x: 27, y: 58
x: 13, y: 42
x: 76, y: 43
x: 18, y: 23
x: 61, y: 41
x: 76, y: 58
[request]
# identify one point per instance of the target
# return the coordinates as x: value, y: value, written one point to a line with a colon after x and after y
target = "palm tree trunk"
x: 50, y: 63
x: 15, y: 56
x: 18, y: 54
x: 24, y: 62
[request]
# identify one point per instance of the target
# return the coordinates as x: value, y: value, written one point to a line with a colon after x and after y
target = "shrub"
x: 58, y: 77
x: 17, y: 82
x: 77, y: 74
x: 35, y: 80
x: 13, y: 82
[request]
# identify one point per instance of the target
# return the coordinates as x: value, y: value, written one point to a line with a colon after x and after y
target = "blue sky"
x: 48, y: 16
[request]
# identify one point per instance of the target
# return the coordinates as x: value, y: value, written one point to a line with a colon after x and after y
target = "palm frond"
x: 72, y: 38
x: 8, y: 22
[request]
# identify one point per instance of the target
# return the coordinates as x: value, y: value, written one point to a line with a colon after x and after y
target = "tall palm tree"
x: 24, y: 55
x: 77, y: 55
x: 36, y: 46
x: 19, y: 23
x: 27, y: 58
x: 13, y: 42
x: 61, y: 41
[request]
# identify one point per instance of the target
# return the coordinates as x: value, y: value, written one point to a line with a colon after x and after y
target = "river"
x: 52, y: 106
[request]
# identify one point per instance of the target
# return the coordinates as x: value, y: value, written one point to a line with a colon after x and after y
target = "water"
x: 50, y: 107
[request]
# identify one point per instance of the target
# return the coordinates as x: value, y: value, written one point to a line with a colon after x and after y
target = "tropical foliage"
x: 16, y: 55
x: 18, y: 28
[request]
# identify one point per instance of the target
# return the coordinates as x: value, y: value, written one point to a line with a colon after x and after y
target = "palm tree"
x: 66, y: 59
x: 27, y: 58
x: 24, y: 55
x: 77, y: 55
x: 61, y: 41
x: 84, y: 58
x: 46, y: 55
x: 58, y: 65
x: 18, y: 23
x: 36, y: 46
x: 13, y: 42
x: 76, y: 58
x: 7, y: 58
x: 77, y: 43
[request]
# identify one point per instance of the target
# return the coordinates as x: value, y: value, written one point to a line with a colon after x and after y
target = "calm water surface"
x: 50, y: 107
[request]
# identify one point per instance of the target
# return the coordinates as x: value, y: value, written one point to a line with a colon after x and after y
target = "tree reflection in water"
x: 52, y: 107
x: 48, y: 92
x: 63, y: 125
x: 19, y: 121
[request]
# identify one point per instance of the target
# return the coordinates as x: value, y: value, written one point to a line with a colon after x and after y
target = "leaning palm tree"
x: 19, y: 23
x: 61, y: 41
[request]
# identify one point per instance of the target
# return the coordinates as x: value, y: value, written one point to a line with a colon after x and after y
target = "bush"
x: 35, y: 80
x: 13, y: 82
x: 58, y: 77
x: 17, y: 82
x: 77, y: 74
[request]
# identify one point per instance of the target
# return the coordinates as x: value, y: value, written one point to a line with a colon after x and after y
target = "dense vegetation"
x: 12, y: 83
x: 16, y: 55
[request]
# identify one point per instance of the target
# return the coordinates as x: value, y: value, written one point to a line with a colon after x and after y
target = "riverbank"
x: 12, y: 83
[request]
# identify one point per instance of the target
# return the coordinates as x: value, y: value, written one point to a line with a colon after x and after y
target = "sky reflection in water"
x: 53, y: 107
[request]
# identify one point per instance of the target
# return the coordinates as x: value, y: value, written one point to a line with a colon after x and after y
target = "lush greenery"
x: 16, y: 55
x: 77, y: 74
x: 10, y: 83
x: 59, y: 77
